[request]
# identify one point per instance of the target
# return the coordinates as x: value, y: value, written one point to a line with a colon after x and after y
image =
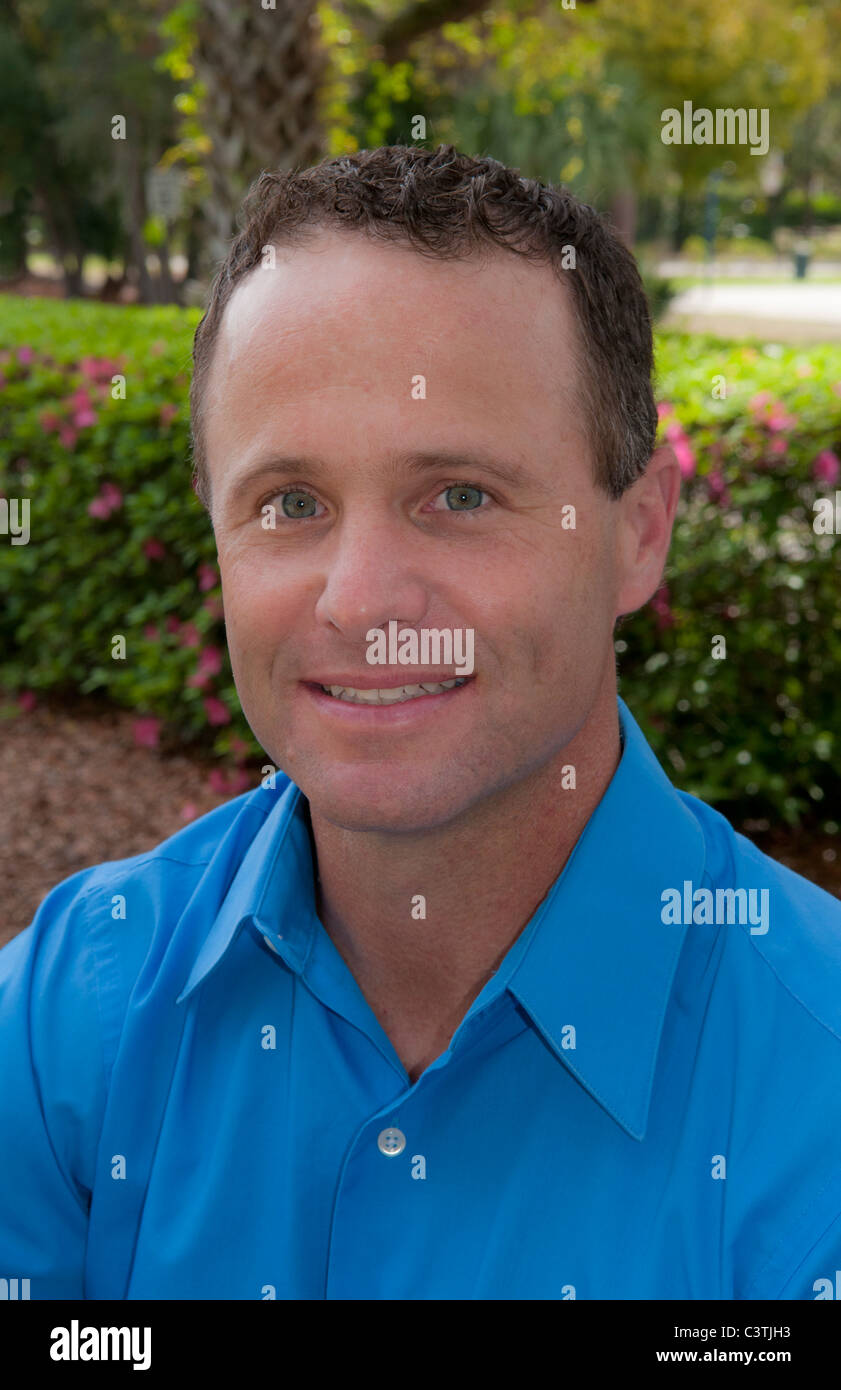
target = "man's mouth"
x: 391, y: 695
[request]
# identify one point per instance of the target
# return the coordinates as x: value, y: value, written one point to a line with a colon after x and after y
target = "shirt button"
x: 391, y: 1142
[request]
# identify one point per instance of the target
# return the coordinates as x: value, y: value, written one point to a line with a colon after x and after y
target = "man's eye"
x: 461, y: 497
x: 295, y: 504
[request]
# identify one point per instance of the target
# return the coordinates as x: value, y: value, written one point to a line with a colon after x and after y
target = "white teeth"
x: 391, y: 696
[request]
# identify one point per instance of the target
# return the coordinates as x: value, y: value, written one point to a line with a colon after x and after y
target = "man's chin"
x: 379, y: 804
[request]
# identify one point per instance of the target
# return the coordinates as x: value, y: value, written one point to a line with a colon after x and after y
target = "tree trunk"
x: 263, y: 71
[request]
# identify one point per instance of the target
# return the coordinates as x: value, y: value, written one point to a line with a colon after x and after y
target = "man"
x: 466, y: 1001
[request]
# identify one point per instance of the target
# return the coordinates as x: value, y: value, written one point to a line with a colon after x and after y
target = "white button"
x: 271, y: 946
x: 391, y: 1142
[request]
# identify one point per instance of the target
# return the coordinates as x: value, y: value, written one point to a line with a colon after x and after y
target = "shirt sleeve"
x: 54, y: 995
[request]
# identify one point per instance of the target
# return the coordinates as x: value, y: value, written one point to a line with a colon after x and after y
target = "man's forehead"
x: 339, y: 282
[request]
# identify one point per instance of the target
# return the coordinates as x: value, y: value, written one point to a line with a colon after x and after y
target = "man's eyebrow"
x: 460, y: 464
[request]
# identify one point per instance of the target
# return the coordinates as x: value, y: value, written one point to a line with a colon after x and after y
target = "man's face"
x: 318, y: 360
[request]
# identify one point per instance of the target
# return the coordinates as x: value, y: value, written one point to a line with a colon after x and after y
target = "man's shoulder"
x: 109, y: 912
x: 791, y: 930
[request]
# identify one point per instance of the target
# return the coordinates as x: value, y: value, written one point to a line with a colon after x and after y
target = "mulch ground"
x: 75, y: 790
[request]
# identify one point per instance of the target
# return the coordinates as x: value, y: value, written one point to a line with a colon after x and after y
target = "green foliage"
x: 759, y: 732
x: 757, y: 430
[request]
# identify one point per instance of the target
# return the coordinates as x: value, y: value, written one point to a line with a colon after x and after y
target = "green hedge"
x: 120, y: 546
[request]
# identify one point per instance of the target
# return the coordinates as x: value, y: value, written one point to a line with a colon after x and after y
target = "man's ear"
x: 644, y: 531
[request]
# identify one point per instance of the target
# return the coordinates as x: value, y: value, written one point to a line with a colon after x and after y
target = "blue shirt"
x: 198, y: 1102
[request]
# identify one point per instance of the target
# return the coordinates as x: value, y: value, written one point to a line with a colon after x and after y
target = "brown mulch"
x: 75, y: 790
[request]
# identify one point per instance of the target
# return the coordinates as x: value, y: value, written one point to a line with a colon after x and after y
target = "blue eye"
x: 299, y: 504
x: 462, y: 497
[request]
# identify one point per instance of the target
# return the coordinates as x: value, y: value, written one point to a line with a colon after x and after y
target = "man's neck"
x: 481, y: 878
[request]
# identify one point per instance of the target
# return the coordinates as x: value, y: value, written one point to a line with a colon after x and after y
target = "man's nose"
x: 370, y: 577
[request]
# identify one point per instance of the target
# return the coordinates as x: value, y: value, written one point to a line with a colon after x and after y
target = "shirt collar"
x: 595, y: 955
x: 602, y: 960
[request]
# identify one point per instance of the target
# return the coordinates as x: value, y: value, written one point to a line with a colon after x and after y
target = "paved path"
x: 798, y: 312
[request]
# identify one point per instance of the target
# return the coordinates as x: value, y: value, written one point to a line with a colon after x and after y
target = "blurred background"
x: 129, y: 136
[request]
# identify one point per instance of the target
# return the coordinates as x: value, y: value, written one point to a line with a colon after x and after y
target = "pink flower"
x: 173, y: 624
x: 80, y: 399
x: 67, y: 436
x: 216, y: 712
x: 153, y: 550
x: 208, y: 577
x: 167, y: 412
x: 778, y: 420
x: 210, y: 664
x: 210, y: 661
x: 27, y: 700
x: 718, y: 488
x: 663, y: 410
x: 662, y: 608
x: 189, y: 810
x: 777, y: 446
x: 108, y: 500
x: 26, y: 355
x: 50, y: 421
x: 151, y: 632
x: 684, y: 456
x: 827, y: 467
x: 675, y: 431
x: 190, y: 635
x: 146, y: 732
x: 84, y: 417
x: 758, y: 403
x: 237, y: 747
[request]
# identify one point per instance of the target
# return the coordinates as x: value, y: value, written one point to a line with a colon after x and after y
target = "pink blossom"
x: 173, y: 624
x: 189, y: 810
x: 778, y: 420
x: 67, y: 436
x: 151, y: 632
x: 146, y: 732
x: 662, y: 608
x: 27, y: 700
x: 190, y: 635
x: 167, y: 412
x: 675, y: 431
x: 663, y: 410
x: 208, y: 577
x: 210, y: 661
x: 84, y: 417
x: 153, y: 550
x: 108, y: 500
x: 237, y: 747
x: 827, y: 467
x: 50, y: 421
x: 778, y: 446
x: 685, y: 457
x: 26, y: 355
x: 216, y: 712
x: 718, y: 488
x: 80, y: 398
x: 758, y: 403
